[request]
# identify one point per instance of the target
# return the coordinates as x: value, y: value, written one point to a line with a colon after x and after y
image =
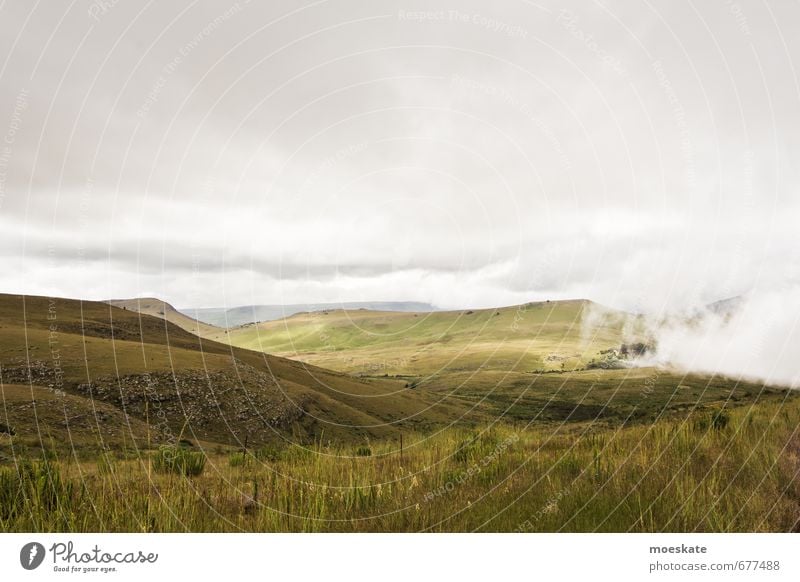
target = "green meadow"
x: 718, y: 471
x: 540, y: 336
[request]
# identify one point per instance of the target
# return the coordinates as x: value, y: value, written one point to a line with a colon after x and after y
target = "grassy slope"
x: 67, y: 344
x: 35, y: 414
x: 215, y: 392
x: 246, y: 314
x: 536, y: 336
x: 610, y: 450
x: 490, y: 360
x: 680, y: 474
x: 163, y: 310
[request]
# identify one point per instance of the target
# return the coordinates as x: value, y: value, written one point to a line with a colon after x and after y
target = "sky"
x: 466, y: 154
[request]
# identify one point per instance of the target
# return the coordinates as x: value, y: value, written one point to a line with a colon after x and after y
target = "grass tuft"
x: 179, y: 460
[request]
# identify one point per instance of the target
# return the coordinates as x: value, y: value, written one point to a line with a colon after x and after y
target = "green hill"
x: 236, y: 316
x: 532, y: 337
x: 163, y: 310
x: 539, y: 362
x: 94, y: 357
x: 89, y: 374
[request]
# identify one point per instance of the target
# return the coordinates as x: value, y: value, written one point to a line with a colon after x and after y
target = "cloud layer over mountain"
x: 218, y: 153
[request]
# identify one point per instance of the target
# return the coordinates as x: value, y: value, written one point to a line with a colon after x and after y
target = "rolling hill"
x: 91, y: 366
x: 544, y: 336
x: 550, y: 361
x: 236, y: 316
x: 163, y: 310
x: 89, y: 374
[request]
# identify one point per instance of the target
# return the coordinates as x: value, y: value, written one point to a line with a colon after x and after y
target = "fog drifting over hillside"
x: 465, y: 155
x: 760, y: 340
x: 757, y: 337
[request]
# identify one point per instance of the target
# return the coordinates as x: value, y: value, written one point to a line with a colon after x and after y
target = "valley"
x: 539, y: 417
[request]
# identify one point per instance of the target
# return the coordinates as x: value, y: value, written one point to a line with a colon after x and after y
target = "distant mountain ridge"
x: 236, y: 316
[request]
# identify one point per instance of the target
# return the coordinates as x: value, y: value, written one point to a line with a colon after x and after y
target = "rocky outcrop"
x: 231, y: 405
x: 228, y: 406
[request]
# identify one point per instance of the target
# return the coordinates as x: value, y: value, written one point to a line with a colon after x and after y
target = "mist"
x: 759, y: 339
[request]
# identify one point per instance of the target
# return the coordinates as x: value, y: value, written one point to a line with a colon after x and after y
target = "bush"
x: 363, y: 451
x: 240, y: 459
x: 609, y: 361
x: 720, y: 420
x: 179, y: 460
x: 716, y: 419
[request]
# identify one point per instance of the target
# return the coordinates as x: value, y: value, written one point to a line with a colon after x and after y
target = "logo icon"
x: 31, y: 555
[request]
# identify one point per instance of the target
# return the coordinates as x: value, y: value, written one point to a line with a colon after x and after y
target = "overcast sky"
x: 641, y: 154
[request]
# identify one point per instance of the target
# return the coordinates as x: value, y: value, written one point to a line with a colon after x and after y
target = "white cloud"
x: 759, y: 340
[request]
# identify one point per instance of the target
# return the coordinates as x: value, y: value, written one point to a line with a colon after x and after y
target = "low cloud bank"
x: 756, y: 337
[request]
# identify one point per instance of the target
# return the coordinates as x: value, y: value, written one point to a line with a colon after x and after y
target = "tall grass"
x: 698, y: 473
x: 179, y: 460
x: 36, y: 493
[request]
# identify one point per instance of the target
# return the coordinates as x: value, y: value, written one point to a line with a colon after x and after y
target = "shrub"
x: 363, y: 451
x: 720, y: 420
x: 716, y: 419
x: 179, y: 460
x: 240, y: 459
x: 609, y: 361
